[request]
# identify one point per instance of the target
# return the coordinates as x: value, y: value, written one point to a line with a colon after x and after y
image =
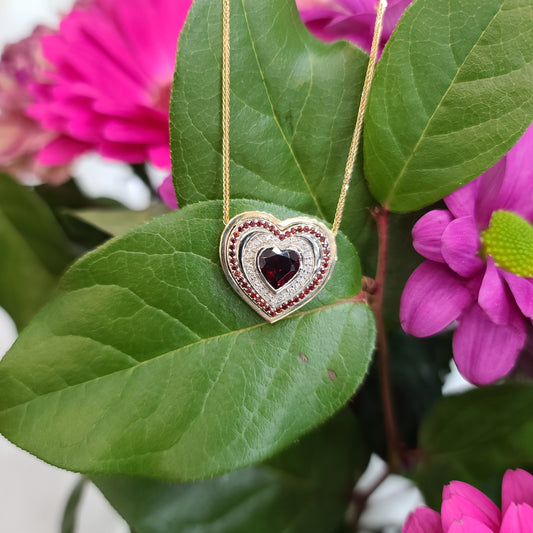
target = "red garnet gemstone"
x: 278, y: 266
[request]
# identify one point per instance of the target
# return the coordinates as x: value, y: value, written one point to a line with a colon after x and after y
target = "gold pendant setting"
x: 276, y: 266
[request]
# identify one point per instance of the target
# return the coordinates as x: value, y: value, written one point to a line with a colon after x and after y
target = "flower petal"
x: 462, y: 202
x: 490, y: 187
x: 522, y: 289
x: 61, y: 151
x: 460, y: 500
x: 423, y: 520
x: 494, y: 297
x: 167, y: 193
x: 460, y: 245
x: 432, y: 299
x: 484, y: 351
x: 470, y: 525
x: 427, y: 234
x: 517, y: 487
x: 516, y: 193
x: 518, y: 519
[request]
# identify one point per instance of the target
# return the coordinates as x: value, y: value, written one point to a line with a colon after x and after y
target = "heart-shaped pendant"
x: 276, y: 266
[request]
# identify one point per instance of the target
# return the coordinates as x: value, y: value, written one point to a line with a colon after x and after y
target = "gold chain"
x: 225, y: 106
x: 352, y: 154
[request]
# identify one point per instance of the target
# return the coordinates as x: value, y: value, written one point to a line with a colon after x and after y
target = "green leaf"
x: 304, y: 489
x: 34, y: 249
x: 294, y: 101
x: 119, y: 221
x: 68, y: 524
x: 453, y: 92
x: 150, y: 364
x: 475, y: 437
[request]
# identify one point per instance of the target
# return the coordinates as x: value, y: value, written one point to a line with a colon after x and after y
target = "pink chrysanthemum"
x: 353, y: 20
x: 467, y: 510
x: 22, y: 137
x: 479, y: 268
x: 109, y: 85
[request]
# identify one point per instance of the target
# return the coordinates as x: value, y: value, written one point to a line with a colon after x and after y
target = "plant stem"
x: 394, y: 447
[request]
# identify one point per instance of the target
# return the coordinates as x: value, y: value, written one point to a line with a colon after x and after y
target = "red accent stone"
x: 293, y: 231
x: 322, y: 239
x: 306, y: 229
x: 246, y: 225
x: 276, y: 233
x: 284, y: 306
x: 252, y: 224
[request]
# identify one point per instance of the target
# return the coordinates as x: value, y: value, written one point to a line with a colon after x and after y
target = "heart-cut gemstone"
x: 278, y: 266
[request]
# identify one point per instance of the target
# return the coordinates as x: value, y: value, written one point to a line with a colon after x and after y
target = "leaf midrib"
x: 275, y: 117
x: 422, y: 137
x: 175, y: 351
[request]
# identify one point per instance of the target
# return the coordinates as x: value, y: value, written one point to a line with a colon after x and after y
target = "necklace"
x: 277, y: 266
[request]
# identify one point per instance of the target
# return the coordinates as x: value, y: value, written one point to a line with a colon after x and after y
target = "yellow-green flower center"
x: 509, y: 241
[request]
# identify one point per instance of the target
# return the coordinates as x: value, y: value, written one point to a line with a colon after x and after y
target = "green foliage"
x: 34, y: 251
x: 306, y: 488
x: 453, y: 92
x: 417, y: 371
x: 116, y: 221
x: 475, y: 437
x: 150, y: 364
x: 294, y: 101
x: 68, y: 524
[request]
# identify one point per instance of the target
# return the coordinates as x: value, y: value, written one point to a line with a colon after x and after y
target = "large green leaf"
x: 452, y: 93
x: 150, y: 364
x: 475, y: 437
x: 34, y: 251
x: 306, y: 489
x: 293, y: 105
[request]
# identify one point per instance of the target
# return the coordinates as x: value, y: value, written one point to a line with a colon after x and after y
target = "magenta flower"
x: 467, y: 510
x: 353, y: 20
x: 22, y: 137
x: 109, y: 85
x: 479, y: 268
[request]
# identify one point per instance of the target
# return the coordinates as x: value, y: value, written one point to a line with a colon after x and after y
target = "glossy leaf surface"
x: 304, y: 489
x: 475, y: 437
x: 453, y: 92
x: 294, y: 101
x: 150, y: 364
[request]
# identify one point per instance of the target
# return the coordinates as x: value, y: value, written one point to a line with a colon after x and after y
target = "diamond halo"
x: 250, y: 234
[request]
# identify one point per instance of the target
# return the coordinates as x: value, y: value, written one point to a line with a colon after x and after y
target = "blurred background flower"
x: 478, y: 268
x: 467, y: 510
x: 108, y: 86
x: 352, y: 20
x: 22, y: 137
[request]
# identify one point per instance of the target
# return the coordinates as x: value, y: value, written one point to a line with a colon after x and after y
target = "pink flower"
x: 109, y: 85
x: 22, y: 137
x: 479, y: 268
x: 353, y: 20
x: 467, y: 510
